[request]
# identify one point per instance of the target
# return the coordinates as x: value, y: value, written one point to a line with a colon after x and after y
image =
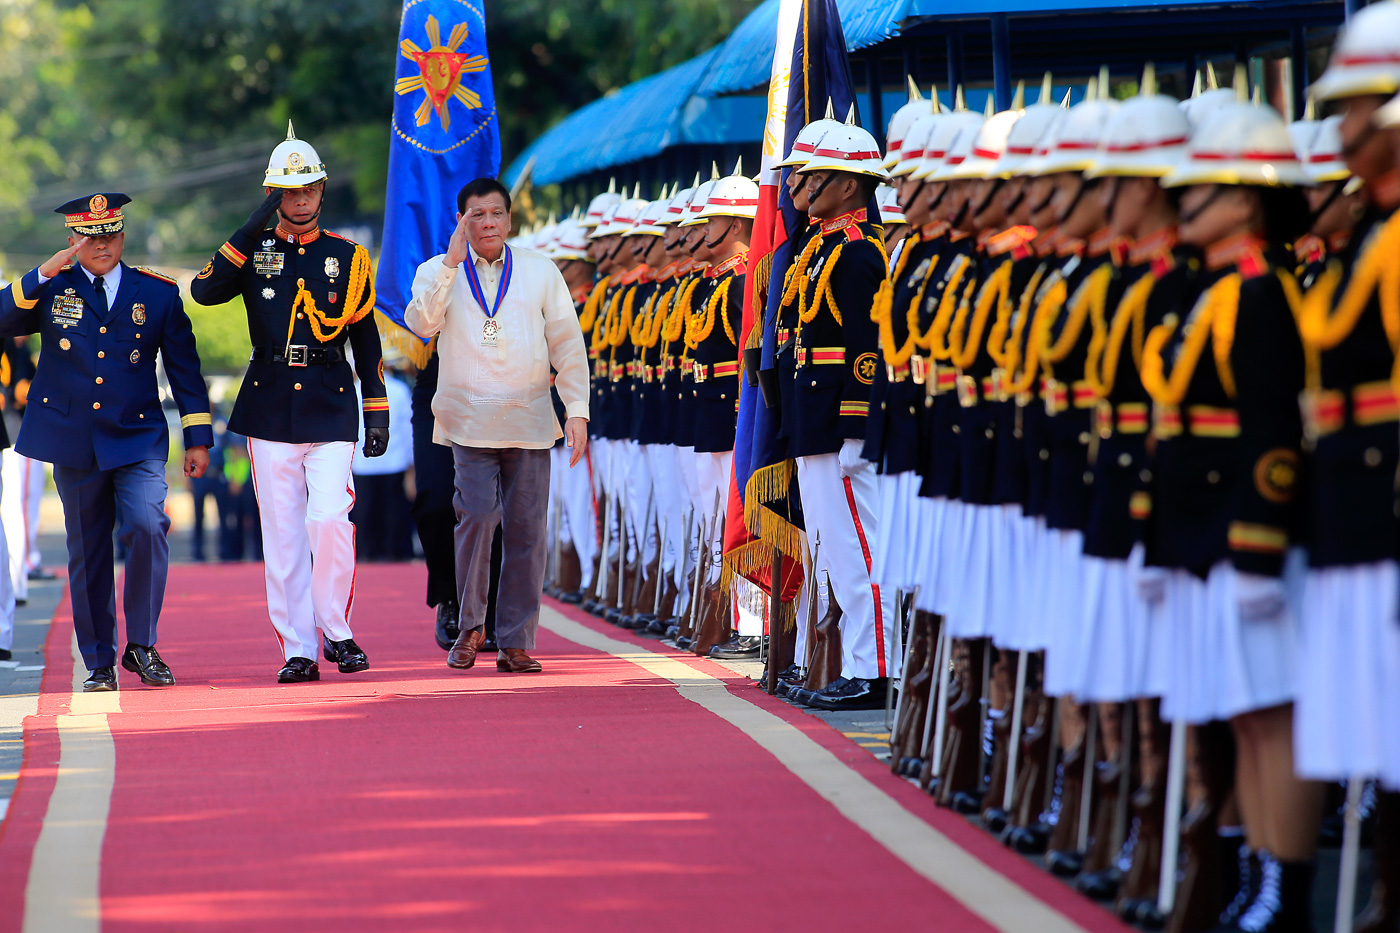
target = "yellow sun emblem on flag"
x: 440, y: 71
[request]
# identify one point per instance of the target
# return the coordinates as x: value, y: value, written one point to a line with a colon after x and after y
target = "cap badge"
x: 295, y: 161
x: 138, y: 313
x: 98, y: 204
x: 332, y: 267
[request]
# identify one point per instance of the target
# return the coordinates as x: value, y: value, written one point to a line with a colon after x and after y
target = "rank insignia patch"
x: 207, y: 271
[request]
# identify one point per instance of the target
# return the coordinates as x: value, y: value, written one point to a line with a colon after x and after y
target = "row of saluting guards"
x: 1096, y: 434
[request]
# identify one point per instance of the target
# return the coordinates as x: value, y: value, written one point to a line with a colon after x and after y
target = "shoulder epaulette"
x: 854, y: 233
x: 339, y: 237
x: 66, y: 268
x: 1015, y: 240
x: 156, y: 275
x: 1253, y: 264
x: 1162, y: 263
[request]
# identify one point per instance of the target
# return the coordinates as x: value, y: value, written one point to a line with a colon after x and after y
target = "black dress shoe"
x: 146, y: 661
x: 856, y: 693
x: 347, y: 655
x: 572, y: 599
x: 1064, y: 864
x: 738, y: 648
x: 967, y: 802
x: 683, y: 642
x: 5, y: 654
x: 614, y: 616
x: 658, y: 628
x: 1028, y: 840
x: 995, y: 819
x: 446, y: 630
x: 102, y: 680
x: 1099, y: 885
x: 299, y: 671
x: 39, y: 573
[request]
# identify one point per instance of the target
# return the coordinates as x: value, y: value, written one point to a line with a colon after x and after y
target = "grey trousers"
x: 506, y: 486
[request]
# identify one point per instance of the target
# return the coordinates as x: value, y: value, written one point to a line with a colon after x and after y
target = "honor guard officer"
x: 826, y: 367
x: 96, y: 416
x: 307, y: 292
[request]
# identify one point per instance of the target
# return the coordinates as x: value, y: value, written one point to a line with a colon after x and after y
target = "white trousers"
x: 671, y: 504
x: 842, y: 510
x: 712, y: 484
x: 7, y: 589
x: 305, y: 492
x: 641, y: 504
x: 578, y: 523
x: 24, y: 481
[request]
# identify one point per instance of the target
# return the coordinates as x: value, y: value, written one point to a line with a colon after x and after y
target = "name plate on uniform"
x: 268, y: 263
x: 67, y: 309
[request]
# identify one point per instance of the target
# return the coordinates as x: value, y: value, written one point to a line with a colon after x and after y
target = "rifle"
x: 715, y: 621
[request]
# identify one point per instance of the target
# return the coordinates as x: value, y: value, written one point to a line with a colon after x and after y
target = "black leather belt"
x: 298, y: 355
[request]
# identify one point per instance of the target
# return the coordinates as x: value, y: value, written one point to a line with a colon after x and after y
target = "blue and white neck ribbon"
x: 474, y: 282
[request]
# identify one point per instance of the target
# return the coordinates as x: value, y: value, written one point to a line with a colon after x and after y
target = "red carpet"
x: 413, y: 797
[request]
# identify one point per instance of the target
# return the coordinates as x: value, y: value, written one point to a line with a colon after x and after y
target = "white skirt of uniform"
x: 1112, y: 656
x: 1347, y: 718
x: 948, y: 558
x: 1218, y: 665
x: 1002, y: 601
x: 892, y: 532
x: 1061, y: 597
x: 1024, y: 630
x: 908, y: 572
x: 923, y: 573
x: 969, y: 616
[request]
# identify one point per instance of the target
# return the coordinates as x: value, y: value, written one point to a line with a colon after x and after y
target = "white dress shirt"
x: 110, y: 282
x: 498, y: 396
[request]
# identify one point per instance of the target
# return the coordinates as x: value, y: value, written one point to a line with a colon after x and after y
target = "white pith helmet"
x: 293, y: 164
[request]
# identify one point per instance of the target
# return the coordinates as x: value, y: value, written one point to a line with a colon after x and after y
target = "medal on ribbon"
x: 490, y: 329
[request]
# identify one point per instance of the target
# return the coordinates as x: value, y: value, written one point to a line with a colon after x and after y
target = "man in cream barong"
x: 503, y: 318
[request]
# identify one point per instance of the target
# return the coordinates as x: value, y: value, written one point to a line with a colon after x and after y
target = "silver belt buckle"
x: 297, y: 355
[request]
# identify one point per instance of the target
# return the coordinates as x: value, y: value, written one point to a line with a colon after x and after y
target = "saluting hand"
x: 457, y: 246
x: 196, y: 462
x: 257, y: 221
x: 61, y: 258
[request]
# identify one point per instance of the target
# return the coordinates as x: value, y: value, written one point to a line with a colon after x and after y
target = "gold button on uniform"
x: 96, y: 405
x: 101, y: 355
x: 1125, y: 460
x: 1083, y: 437
x: 102, y: 330
x: 297, y: 387
x: 99, y: 380
x: 1373, y: 457
x: 301, y: 250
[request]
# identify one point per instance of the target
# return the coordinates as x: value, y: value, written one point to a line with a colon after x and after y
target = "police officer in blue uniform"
x: 95, y: 414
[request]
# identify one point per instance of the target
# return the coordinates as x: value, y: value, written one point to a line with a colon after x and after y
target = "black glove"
x: 376, y: 441
x: 257, y: 221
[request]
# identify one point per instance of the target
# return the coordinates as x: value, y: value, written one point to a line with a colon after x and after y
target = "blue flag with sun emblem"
x: 444, y: 134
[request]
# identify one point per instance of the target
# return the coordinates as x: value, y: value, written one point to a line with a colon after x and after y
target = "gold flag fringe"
x: 403, y: 341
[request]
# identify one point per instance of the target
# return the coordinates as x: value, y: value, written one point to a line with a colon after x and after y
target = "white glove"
x: 1259, y: 598
x: 852, y: 463
x: 1151, y: 584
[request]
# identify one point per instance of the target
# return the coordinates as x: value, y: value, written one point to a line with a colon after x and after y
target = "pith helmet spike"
x: 913, y: 90
x: 830, y: 109
x: 990, y: 108
x: 291, y: 133
x: 1018, y: 102
x: 696, y: 182
x: 959, y: 100
x: 577, y: 212
x: 1256, y: 98
x: 553, y: 218
x: 933, y: 94
x: 1064, y: 104
x: 1047, y: 90
x: 1241, y: 83
x: 851, y: 114
x: 738, y: 166
x: 636, y: 191
x: 1310, y: 109
x: 1196, y: 86
x: 612, y: 185
x: 1212, y: 82
x: 714, y: 170
x: 1105, y: 83
x: 1149, y: 80
x: 1091, y: 90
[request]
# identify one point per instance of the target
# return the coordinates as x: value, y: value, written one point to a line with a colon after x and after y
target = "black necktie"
x: 101, y: 296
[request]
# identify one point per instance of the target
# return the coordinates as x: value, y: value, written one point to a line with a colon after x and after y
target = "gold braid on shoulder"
x: 1093, y: 293
x: 1106, y: 346
x: 660, y: 311
x: 1377, y: 268
x: 967, y: 344
x: 1170, y: 389
x: 797, y: 273
x: 680, y: 312
x: 936, y: 341
x: 590, y: 307
x: 1007, y: 350
x: 1048, y: 308
x: 882, y: 313
x: 808, y: 315
x: 359, y: 301
x: 622, y: 328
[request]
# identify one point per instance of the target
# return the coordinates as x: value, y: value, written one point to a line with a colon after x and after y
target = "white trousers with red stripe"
x: 305, y: 492
x: 842, y: 510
